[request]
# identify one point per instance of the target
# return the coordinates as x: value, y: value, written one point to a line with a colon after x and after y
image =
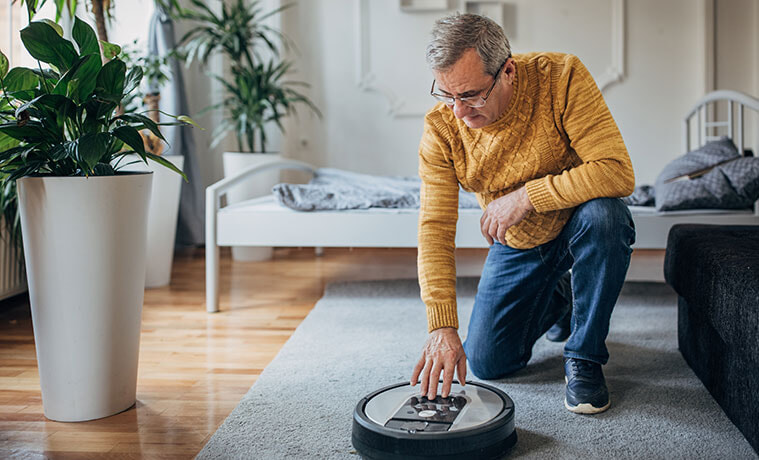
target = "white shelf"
x: 492, y: 9
x: 423, y: 5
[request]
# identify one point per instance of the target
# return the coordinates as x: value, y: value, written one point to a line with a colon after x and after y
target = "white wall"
x: 368, y: 76
x: 736, y: 55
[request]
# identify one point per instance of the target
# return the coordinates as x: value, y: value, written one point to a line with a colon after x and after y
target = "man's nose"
x: 460, y: 110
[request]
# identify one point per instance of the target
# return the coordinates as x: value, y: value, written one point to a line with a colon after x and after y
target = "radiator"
x: 12, y: 271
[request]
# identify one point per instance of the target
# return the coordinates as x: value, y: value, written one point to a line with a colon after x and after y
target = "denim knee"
x: 605, y: 220
x: 486, y: 364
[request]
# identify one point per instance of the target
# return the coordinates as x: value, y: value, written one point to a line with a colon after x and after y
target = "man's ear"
x: 509, y: 70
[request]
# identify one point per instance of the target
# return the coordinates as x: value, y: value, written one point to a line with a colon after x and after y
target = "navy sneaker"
x: 562, y: 296
x: 586, y: 387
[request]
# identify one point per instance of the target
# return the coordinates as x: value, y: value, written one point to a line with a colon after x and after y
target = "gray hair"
x: 455, y: 34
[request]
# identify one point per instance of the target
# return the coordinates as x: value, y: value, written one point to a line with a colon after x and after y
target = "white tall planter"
x: 162, y: 218
x: 258, y: 185
x: 84, y: 245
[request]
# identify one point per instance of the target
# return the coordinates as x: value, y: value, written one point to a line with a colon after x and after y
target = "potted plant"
x: 257, y: 93
x: 164, y: 201
x: 83, y: 220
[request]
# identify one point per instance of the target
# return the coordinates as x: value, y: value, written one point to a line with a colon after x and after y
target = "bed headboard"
x: 710, y: 127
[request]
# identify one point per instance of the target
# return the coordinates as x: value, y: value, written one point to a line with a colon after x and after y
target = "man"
x: 531, y: 135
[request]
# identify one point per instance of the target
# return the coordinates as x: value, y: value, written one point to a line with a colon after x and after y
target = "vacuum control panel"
x: 421, y: 414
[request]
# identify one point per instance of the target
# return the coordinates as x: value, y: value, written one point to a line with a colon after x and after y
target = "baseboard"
x: 646, y: 265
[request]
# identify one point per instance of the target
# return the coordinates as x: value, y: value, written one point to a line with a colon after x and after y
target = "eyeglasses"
x: 469, y: 101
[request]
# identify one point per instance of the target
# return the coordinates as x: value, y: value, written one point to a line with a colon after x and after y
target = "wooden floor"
x: 194, y: 366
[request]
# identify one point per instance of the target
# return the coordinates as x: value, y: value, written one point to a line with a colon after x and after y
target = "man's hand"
x: 504, y: 212
x: 444, y: 353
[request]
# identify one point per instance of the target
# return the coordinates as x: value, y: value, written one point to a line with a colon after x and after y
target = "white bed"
x: 263, y: 222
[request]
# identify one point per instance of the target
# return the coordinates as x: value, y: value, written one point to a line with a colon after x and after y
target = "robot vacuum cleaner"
x: 473, y: 422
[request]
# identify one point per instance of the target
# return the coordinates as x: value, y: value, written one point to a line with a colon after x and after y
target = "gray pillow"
x: 733, y: 184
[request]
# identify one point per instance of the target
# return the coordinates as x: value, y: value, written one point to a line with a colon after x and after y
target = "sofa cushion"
x: 716, y: 269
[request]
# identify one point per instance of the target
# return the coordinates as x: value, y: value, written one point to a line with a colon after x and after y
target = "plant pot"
x: 162, y: 217
x: 85, y: 245
x: 257, y: 185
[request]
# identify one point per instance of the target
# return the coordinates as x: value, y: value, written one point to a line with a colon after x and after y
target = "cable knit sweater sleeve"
x: 438, y: 215
x: 580, y: 111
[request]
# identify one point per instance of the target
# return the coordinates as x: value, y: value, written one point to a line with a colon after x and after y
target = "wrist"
x: 526, y: 200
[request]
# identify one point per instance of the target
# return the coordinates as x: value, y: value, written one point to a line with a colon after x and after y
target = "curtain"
x: 190, y: 224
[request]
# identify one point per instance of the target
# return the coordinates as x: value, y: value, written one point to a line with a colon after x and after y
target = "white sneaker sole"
x: 585, y: 408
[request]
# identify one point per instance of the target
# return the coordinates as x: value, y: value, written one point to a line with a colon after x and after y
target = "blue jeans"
x: 516, y: 304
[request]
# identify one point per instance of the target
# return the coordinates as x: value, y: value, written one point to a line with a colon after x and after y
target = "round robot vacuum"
x: 395, y: 422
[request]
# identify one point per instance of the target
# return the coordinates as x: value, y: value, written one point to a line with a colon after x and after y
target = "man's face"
x: 467, y: 77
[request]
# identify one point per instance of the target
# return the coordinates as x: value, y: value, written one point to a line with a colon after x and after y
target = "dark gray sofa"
x: 715, y: 271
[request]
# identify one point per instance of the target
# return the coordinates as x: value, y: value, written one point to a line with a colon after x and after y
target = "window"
x: 131, y: 19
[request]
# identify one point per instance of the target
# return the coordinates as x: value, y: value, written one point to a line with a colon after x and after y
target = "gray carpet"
x: 363, y: 336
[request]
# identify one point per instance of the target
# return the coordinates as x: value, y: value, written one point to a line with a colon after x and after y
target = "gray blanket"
x: 336, y: 189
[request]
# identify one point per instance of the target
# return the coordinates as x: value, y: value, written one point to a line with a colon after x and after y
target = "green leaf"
x: 31, y: 7
x: 133, y: 79
x: 79, y: 82
x: 62, y: 150
x: 3, y: 65
x: 145, y: 123
x: 60, y: 4
x: 132, y: 138
x: 26, y: 106
x: 91, y: 148
x: 47, y: 74
x: 97, y: 109
x: 61, y: 107
x: 110, y: 50
x: 85, y: 37
x: 44, y: 44
x: 103, y: 169
x: 189, y: 121
x: 7, y: 142
x: 84, y: 78
x: 21, y: 79
x: 110, y: 81
x: 31, y: 131
x: 54, y: 25
x: 164, y: 162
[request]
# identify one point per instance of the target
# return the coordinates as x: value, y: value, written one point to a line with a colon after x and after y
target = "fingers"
x: 434, y: 380
x: 502, y: 234
x: 493, y: 229
x: 461, y: 370
x: 417, y: 370
x: 447, y: 381
x: 484, y: 225
x: 425, y: 378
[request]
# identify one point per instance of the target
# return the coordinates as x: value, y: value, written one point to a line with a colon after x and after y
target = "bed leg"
x: 212, y: 279
x: 319, y: 251
x: 212, y: 254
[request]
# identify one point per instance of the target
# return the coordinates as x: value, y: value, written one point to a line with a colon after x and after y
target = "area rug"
x: 366, y: 335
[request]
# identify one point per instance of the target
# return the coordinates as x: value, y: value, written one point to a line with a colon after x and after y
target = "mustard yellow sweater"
x: 556, y: 138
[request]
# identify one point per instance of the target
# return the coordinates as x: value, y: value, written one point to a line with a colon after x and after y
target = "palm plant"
x: 238, y: 32
x: 255, y: 97
x: 257, y: 92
